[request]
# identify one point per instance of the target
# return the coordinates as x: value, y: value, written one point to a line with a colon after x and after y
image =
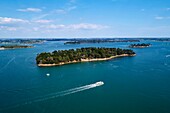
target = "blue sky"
x: 84, y: 18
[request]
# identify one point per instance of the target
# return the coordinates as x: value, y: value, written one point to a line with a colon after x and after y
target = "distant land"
x: 14, y: 47
x: 100, y: 40
x: 77, y: 40
x: 80, y: 41
x: 21, y: 41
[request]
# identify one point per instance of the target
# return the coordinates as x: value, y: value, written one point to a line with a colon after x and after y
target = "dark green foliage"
x: 140, y: 45
x: 75, y: 42
x: 80, y: 41
x: 59, y: 56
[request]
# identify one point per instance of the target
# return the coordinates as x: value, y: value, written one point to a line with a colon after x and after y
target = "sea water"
x: 139, y: 84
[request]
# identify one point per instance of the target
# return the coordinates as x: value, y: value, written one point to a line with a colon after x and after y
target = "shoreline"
x: 85, y: 60
x: 3, y: 48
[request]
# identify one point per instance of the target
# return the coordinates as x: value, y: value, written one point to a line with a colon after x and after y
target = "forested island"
x: 81, y: 41
x: 143, y: 45
x: 62, y: 57
x: 14, y: 47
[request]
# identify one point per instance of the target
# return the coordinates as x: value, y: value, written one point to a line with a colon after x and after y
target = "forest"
x: 70, y: 55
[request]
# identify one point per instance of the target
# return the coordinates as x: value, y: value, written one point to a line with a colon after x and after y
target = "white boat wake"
x: 60, y: 94
x: 167, y: 56
x: 12, y: 59
x: 67, y: 92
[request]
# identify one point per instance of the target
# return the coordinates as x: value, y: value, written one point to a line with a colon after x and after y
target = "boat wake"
x: 167, y: 56
x: 67, y: 92
x: 12, y: 59
x: 59, y: 94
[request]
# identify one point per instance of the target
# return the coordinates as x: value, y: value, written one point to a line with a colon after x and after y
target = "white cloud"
x: 43, y: 21
x: 6, y: 20
x: 71, y: 8
x: 60, y: 11
x: 7, y: 28
x: 42, y: 16
x: 72, y: 1
x: 57, y: 11
x: 64, y: 10
x: 52, y: 26
x: 30, y: 10
x: 161, y: 18
x: 45, y: 27
x: 81, y: 26
x: 87, y: 26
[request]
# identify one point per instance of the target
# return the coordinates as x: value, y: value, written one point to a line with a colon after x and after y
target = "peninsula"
x: 143, y: 45
x: 89, y: 54
x: 14, y: 47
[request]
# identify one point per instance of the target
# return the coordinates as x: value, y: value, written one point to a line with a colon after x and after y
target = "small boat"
x: 48, y: 74
x: 99, y: 83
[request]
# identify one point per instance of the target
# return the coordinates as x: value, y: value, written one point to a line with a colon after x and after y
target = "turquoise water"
x: 139, y: 84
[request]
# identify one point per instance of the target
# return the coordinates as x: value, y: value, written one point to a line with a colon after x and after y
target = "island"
x: 143, y: 45
x: 72, y: 42
x: 89, y: 54
x: 81, y: 41
x: 14, y: 47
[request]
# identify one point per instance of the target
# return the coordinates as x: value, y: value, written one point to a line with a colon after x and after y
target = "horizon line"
x: 84, y: 37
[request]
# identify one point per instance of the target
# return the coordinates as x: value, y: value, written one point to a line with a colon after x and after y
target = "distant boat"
x: 48, y: 74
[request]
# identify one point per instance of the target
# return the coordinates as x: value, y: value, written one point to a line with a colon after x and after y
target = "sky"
x: 84, y: 18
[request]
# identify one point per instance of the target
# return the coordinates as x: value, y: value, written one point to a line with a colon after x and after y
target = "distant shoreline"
x: 17, y: 47
x: 85, y: 60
